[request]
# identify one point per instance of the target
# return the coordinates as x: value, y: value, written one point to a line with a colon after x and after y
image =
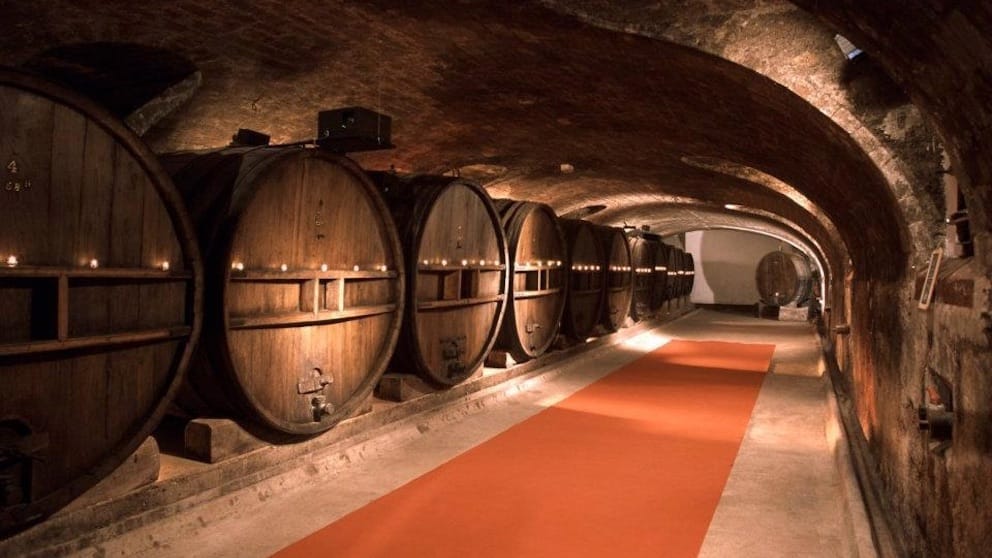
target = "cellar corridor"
x: 786, y: 467
x: 276, y: 274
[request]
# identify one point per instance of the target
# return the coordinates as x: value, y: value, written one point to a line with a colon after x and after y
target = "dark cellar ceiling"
x: 517, y: 88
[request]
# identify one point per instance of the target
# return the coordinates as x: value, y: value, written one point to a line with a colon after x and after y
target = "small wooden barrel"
x: 538, y: 288
x: 659, y: 287
x: 456, y: 255
x: 784, y: 278
x: 643, y: 254
x: 586, y: 263
x: 100, y: 287
x: 619, y: 281
x: 304, y: 286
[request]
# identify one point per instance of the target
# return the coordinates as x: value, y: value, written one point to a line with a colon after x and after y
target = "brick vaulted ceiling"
x: 517, y: 90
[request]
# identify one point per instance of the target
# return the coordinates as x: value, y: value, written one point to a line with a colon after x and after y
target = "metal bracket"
x: 452, y: 351
x: 314, y: 383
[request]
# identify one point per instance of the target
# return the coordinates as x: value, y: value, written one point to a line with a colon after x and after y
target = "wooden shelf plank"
x: 456, y: 303
x: 296, y: 275
x: 53, y: 272
x: 437, y: 268
x: 54, y: 345
x: 308, y: 318
x: 523, y: 268
x: 520, y: 295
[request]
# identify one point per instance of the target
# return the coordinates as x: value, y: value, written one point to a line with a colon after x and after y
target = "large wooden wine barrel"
x: 456, y: 255
x: 690, y: 273
x: 304, y: 286
x: 784, y: 278
x: 538, y: 285
x: 643, y: 254
x: 659, y: 278
x: 619, y: 282
x: 586, y: 262
x: 100, y: 284
x: 675, y: 286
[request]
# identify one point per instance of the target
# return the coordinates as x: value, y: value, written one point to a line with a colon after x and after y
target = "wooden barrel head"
x: 538, y: 286
x: 460, y: 257
x: 659, y: 287
x: 306, y: 281
x: 642, y: 254
x: 100, y: 284
x: 456, y: 259
x: 674, y: 285
x: 783, y: 278
x: 587, y: 267
x: 690, y: 273
x: 619, y: 283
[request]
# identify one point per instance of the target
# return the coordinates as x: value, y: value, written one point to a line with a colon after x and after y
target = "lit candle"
x: 283, y: 267
x: 323, y: 267
x: 482, y: 262
x: 12, y: 261
x: 94, y: 263
x: 355, y: 268
x: 444, y: 262
x: 426, y: 262
x: 165, y: 266
x: 464, y: 262
x: 384, y: 267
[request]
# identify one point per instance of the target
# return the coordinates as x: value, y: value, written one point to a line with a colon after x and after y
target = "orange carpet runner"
x: 632, y: 465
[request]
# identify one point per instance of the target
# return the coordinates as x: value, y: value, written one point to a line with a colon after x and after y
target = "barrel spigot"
x: 321, y: 407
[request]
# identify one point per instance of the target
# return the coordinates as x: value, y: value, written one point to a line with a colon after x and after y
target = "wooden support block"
x: 140, y: 469
x: 401, y: 387
x: 499, y: 359
x: 212, y: 440
x: 793, y: 314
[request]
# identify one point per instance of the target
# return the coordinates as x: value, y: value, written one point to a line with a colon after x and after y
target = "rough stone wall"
x: 941, y: 54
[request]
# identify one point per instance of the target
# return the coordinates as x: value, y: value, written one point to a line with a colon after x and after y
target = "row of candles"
x: 94, y: 263
x: 240, y: 266
x: 464, y: 263
x: 12, y: 261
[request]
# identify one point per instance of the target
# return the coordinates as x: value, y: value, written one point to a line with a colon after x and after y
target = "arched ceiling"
x: 941, y: 53
x: 575, y: 114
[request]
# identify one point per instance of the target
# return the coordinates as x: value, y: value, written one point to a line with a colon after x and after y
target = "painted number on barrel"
x: 15, y: 181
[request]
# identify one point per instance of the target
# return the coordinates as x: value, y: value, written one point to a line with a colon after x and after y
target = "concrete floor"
x: 786, y: 495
